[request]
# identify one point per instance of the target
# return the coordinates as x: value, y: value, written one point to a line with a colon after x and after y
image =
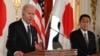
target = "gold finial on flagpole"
x: 17, y: 5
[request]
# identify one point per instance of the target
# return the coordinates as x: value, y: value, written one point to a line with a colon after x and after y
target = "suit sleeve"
x: 94, y: 44
x: 10, y: 45
x: 73, y: 41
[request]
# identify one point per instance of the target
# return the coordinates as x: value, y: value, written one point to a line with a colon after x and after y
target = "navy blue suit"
x: 78, y: 42
x: 18, y: 39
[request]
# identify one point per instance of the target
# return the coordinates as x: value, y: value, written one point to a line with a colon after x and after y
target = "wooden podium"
x: 53, y: 53
x: 97, y: 54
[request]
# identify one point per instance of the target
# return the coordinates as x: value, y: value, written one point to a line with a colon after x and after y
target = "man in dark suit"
x: 82, y: 39
x: 20, y: 38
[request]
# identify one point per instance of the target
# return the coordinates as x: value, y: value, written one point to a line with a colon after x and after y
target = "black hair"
x: 84, y: 15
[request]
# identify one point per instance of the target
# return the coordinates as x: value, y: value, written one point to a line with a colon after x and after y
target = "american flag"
x: 39, y: 21
x: 41, y: 3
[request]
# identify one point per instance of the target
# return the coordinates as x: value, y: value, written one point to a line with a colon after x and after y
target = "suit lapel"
x: 23, y: 30
x: 89, y: 38
x: 82, y: 40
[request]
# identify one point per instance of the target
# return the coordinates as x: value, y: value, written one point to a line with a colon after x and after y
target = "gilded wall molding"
x: 17, y: 5
x: 93, y: 12
x: 77, y: 13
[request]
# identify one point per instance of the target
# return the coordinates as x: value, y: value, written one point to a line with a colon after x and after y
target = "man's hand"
x: 18, y: 53
x: 38, y: 46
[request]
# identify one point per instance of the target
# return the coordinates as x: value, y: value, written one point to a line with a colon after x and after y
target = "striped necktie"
x: 86, y: 39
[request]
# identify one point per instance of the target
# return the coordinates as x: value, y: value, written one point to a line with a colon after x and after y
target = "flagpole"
x: 50, y: 18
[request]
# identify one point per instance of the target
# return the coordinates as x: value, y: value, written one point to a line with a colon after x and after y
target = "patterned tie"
x: 86, y: 38
x: 29, y: 34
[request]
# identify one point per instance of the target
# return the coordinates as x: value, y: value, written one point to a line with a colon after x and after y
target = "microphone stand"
x: 57, y: 31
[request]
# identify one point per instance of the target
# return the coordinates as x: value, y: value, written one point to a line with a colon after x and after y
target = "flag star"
x: 41, y: 3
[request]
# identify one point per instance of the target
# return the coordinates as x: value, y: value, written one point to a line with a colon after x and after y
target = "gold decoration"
x: 77, y: 13
x: 17, y: 5
x: 28, y: 1
x: 93, y: 8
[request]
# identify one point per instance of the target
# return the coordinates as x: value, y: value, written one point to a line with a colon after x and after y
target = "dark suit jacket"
x: 18, y: 38
x: 78, y: 42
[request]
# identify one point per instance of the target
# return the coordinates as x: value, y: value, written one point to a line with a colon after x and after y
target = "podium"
x: 97, y: 54
x: 53, y: 53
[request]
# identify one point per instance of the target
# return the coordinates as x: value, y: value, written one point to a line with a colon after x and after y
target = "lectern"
x: 53, y: 53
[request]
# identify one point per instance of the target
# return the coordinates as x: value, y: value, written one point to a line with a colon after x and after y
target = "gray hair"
x: 26, y: 6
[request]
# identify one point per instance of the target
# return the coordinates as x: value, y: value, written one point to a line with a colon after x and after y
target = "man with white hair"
x: 22, y: 36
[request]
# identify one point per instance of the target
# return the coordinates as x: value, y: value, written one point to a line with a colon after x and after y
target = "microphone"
x: 57, y: 31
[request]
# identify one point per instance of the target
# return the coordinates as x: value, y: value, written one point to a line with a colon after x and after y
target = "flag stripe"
x: 35, y: 1
x: 35, y: 24
x: 40, y: 18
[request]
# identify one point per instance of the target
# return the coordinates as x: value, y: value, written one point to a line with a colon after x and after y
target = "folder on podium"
x: 53, y: 53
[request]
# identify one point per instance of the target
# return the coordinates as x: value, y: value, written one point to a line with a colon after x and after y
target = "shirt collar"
x: 25, y: 24
x: 84, y: 31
